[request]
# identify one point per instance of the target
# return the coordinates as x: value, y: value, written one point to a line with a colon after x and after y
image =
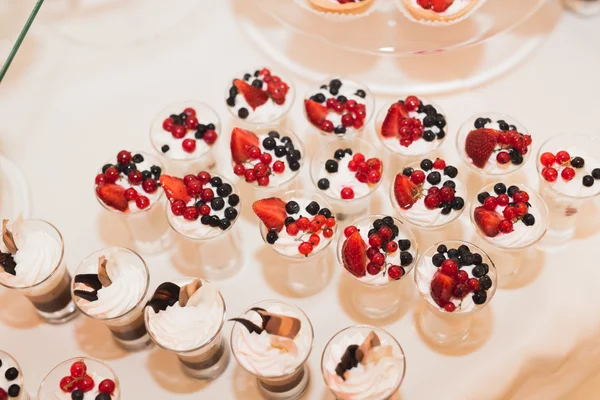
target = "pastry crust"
x: 428, y: 15
x: 358, y: 7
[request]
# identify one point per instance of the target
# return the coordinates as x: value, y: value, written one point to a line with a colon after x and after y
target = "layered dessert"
x: 412, y: 126
x: 362, y: 365
x: 11, y: 378
x: 267, y: 158
x: 377, y: 250
x: 260, y: 97
x: 202, y: 206
x: 341, y: 6
x: 185, y: 131
x: 129, y: 183
x: 456, y: 279
x: 493, y: 144
x: 440, y: 10
x: 571, y: 172
x: 340, y: 106
x: 428, y: 194
x: 298, y: 227
x: 83, y: 383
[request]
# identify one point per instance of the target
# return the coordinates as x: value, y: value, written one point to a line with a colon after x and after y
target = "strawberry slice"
x: 441, y: 288
x: 315, y: 112
x: 480, y: 144
x: 254, y: 96
x: 354, y: 255
x: 488, y: 221
x: 241, y: 141
x: 406, y: 191
x: 391, y: 124
x: 271, y: 212
x: 174, y: 188
x: 113, y: 195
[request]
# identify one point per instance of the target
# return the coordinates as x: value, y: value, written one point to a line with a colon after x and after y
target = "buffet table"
x: 65, y: 107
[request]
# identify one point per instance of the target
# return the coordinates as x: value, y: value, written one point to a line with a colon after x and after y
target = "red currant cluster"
x: 435, y: 5
x: 492, y: 220
x: 80, y: 381
x: 275, y: 86
x: 518, y: 142
x: 260, y: 171
x: 180, y: 125
x: 411, y: 129
x: 367, y: 171
x: 353, y: 114
x: 313, y: 229
x: 567, y: 165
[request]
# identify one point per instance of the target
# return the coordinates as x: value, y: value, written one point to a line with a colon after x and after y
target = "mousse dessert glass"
x: 377, y: 251
x: 11, y: 379
x: 110, y: 285
x: 512, y: 218
x: 128, y: 186
x: 80, y: 378
x: 31, y: 262
x: 203, y: 208
x: 259, y: 97
x: 347, y: 172
x: 185, y: 134
x: 186, y: 317
x: 455, y: 279
x: 569, y: 169
x: 340, y: 106
x: 363, y: 362
x: 272, y: 340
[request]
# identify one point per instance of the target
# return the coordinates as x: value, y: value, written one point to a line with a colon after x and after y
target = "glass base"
x: 150, y: 230
x: 289, y: 391
x: 443, y: 328
x: 376, y: 302
x: 220, y: 257
x: 62, y: 316
x: 134, y: 345
x: 308, y: 277
x: 210, y: 368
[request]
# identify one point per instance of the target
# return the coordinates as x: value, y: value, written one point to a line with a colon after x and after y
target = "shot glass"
x: 446, y: 319
x: 60, y: 384
x: 376, y: 266
x: 40, y: 248
x: 276, y: 355
x: 11, y: 378
x: 195, y: 335
x: 566, y: 198
x: 334, y: 171
x: 185, y: 134
x: 377, y: 376
x: 120, y: 305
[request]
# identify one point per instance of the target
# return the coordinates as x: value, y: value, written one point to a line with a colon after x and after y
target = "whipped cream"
x: 344, y: 178
x: 60, y: 395
x: 38, y: 254
x: 277, y: 179
x: 364, y: 382
x: 187, y: 328
x: 256, y: 353
x: 7, y: 363
x: 574, y: 187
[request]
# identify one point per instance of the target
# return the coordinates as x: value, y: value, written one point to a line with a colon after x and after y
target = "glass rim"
x: 205, y: 343
x: 58, y: 264
x: 21, y: 377
x: 125, y: 313
x: 276, y: 301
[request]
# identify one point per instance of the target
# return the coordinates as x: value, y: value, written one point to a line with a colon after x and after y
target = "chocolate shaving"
x: 280, y: 325
x: 102, y: 274
x: 165, y: 295
x: 372, y: 340
x: 251, y: 326
x: 8, y: 239
x: 89, y: 296
x: 89, y: 280
x: 188, y: 291
x: 347, y: 362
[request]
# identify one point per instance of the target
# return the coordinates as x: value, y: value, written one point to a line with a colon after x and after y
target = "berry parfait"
x: 363, y: 362
x: 185, y: 133
x: 569, y: 171
x: 80, y: 378
x: 377, y: 251
x: 204, y: 208
x: 128, y: 186
x: 347, y: 172
x: 11, y: 379
x: 455, y: 279
x: 340, y: 107
x: 260, y: 97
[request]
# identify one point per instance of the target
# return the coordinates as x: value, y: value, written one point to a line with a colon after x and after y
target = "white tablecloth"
x: 65, y: 108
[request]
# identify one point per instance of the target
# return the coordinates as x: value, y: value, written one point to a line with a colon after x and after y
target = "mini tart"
x: 420, y: 13
x: 357, y: 7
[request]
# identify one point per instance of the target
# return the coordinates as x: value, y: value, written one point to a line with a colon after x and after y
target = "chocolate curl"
x: 188, y: 291
x: 166, y: 295
x: 280, y: 325
x: 7, y: 238
x: 371, y: 341
x: 102, y: 274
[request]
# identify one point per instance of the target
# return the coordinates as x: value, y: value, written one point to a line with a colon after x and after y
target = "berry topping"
x: 406, y: 192
x: 242, y: 142
x: 441, y: 288
x: 480, y: 145
x: 487, y: 221
x: 113, y: 195
x: 272, y: 212
x: 175, y: 188
x: 316, y: 113
x: 354, y: 255
x: 254, y: 96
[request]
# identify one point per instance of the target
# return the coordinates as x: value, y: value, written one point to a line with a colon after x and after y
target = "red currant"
x: 203, y: 177
x: 189, y: 111
x: 314, y: 240
x: 460, y: 290
x: 135, y: 177
x: 178, y: 131
x: 330, y: 222
x: 168, y: 124
x: 107, y: 386
x: 254, y: 152
x: 521, y: 209
x: 391, y: 246
x: 131, y: 194
x: 347, y: 120
x: 327, y: 126
x: 405, y: 142
x: 375, y: 240
x: 347, y: 193
x: 239, y: 169
x: 177, y: 207
x: 68, y: 384
x: 378, y: 259
x: 191, y: 122
x: 266, y: 158
x: 352, y: 166
x: 190, y: 213
x: 188, y: 178
x: 210, y: 137
x: 373, y: 269
x: 432, y: 201
x: 374, y: 176
x: 111, y: 175
x: 338, y: 107
x: 149, y: 185
x: 547, y: 159
x: 549, y: 174
x: 194, y: 187
x: 449, y: 307
x: 503, y: 200
x: 327, y: 233
x: 204, y: 209
x: 250, y: 175
x: 418, y: 177
x: 349, y: 230
x: 358, y: 157
x: 278, y: 167
x: 385, y: 233
x: 331, y: 102
x: 462, y: 276
x: 510, y: 213
x: 473, y: 284
x: 449, y: 267
x: 371, y: 251
x: 189, y: 145
x: 503, y: 157
x: 568, y: 173
x: 78, y: 369
x: 261, y: 169
x: 434, y: 190
x: 505, y: 226
x: 412, y: 103
x: 446, y: 193
x: 361, y: 177
x: 100, y: 179
x: 263, y: 181
x: 521, y: 196
x: 86, y: 384
x: 490, y: 203
x: 303, y: 223
x: 395, y: 272
x: 292, y: 229
x: 350, y: 105
x: 562, y: 157
x: 124, y: 157
x: 207, y: 195
x: 305, y: 248
x: 142, y: 202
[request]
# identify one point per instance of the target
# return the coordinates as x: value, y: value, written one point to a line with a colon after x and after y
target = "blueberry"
x: 326, y: 212
x: 216, y: 181
x: 183, y: 116
x: 404, y: 244
x: 233, y: 91
x: 334, y: 91
x: 468, y: 259
x: 280, y: 151
x: 292, y: 207
x: 438, y: 259
x: 480, y: 297
x: 106, y: 396
x: 440, y: 121
x: 348, y: 151
x: 14, y: 390
x: 441, y: 134
x: 426, y: 164
x: 77, y: 395
x: 478, y: 271
x: 457, y: 203
x: 528, y: 219
x: 485, y: 282
x: 442, y: 248
x: 434, y: 177
x: 272, y: 237
x: 512, y: 190
x: 256, y: 73
x: 429, y: 110
x: 342, y: 99
x: 482, y: 196
x: 512, y: 128
x: 588, y: 180
x: 269, y: 143
x: 340, y: 129
x: 450, y: 183
x: 446, y: 209
x: 247, y: 77
x: 294, y: 165
x: 486, y: 267
x: 313, y: 208
x: 274, y: 134
x: 463, y: 249
x: 405, y: 258
x: 243, y: 113
x: 452, y: 253
x: 339, y: 154
x: 389, y: 221
x: 503, y: 125
x: 214, y: 221
x: 285, y: 139
x: 11, y: 374
x: 199, y: 134
x: 105, y: 167
x: 429, y: 121
x: 129, y: 167
x: 395, y: 232
x: 205, y: 220
x: 335, y: 83
x: 233, y: 200
x: 407, y: 171
x: 165, y: 148
x: 224, y: 190
x: 480, y: 123
x: 378, y: 224
x: 331, y: 166
x: 217, y: 203
x: 319, y: 97
x: 289, y: 220
x: 596, y: 173
x: 516, y: 157
x: 295, y: 155
x: 361, y: 93
x: 257, y: 83
x: 323, y: 87
x: 500, y: 188
x: 230, y: 213
x: 137, y: 158
x: 323, y: 184
x: 428, y: 136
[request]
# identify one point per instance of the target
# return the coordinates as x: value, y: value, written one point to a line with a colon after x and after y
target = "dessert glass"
x: 180, y: 162
x: 9, y: 383
x: 344, y: 209
x: 377, y: 389
x: 49, y: 294
x: 205, y: 361
x: 439, y: 326
x: 282, y: 381
x: 374, y: 296
x: 127, y: 326
x: 565, y: 201
x: 98, y: 370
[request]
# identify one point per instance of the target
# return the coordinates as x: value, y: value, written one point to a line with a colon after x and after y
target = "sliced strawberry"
x: 391, y: 124
x: 271, y: 212
x: 488, y: 221
x: 113, y: 195
x: 480, y: 144
x: 174, y: 188
x: 254, y: 96
x: 354, y: 255
x: 241, y: 142
x: 406, y: 191
x: 315, y: 112
x: 441, y: 288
